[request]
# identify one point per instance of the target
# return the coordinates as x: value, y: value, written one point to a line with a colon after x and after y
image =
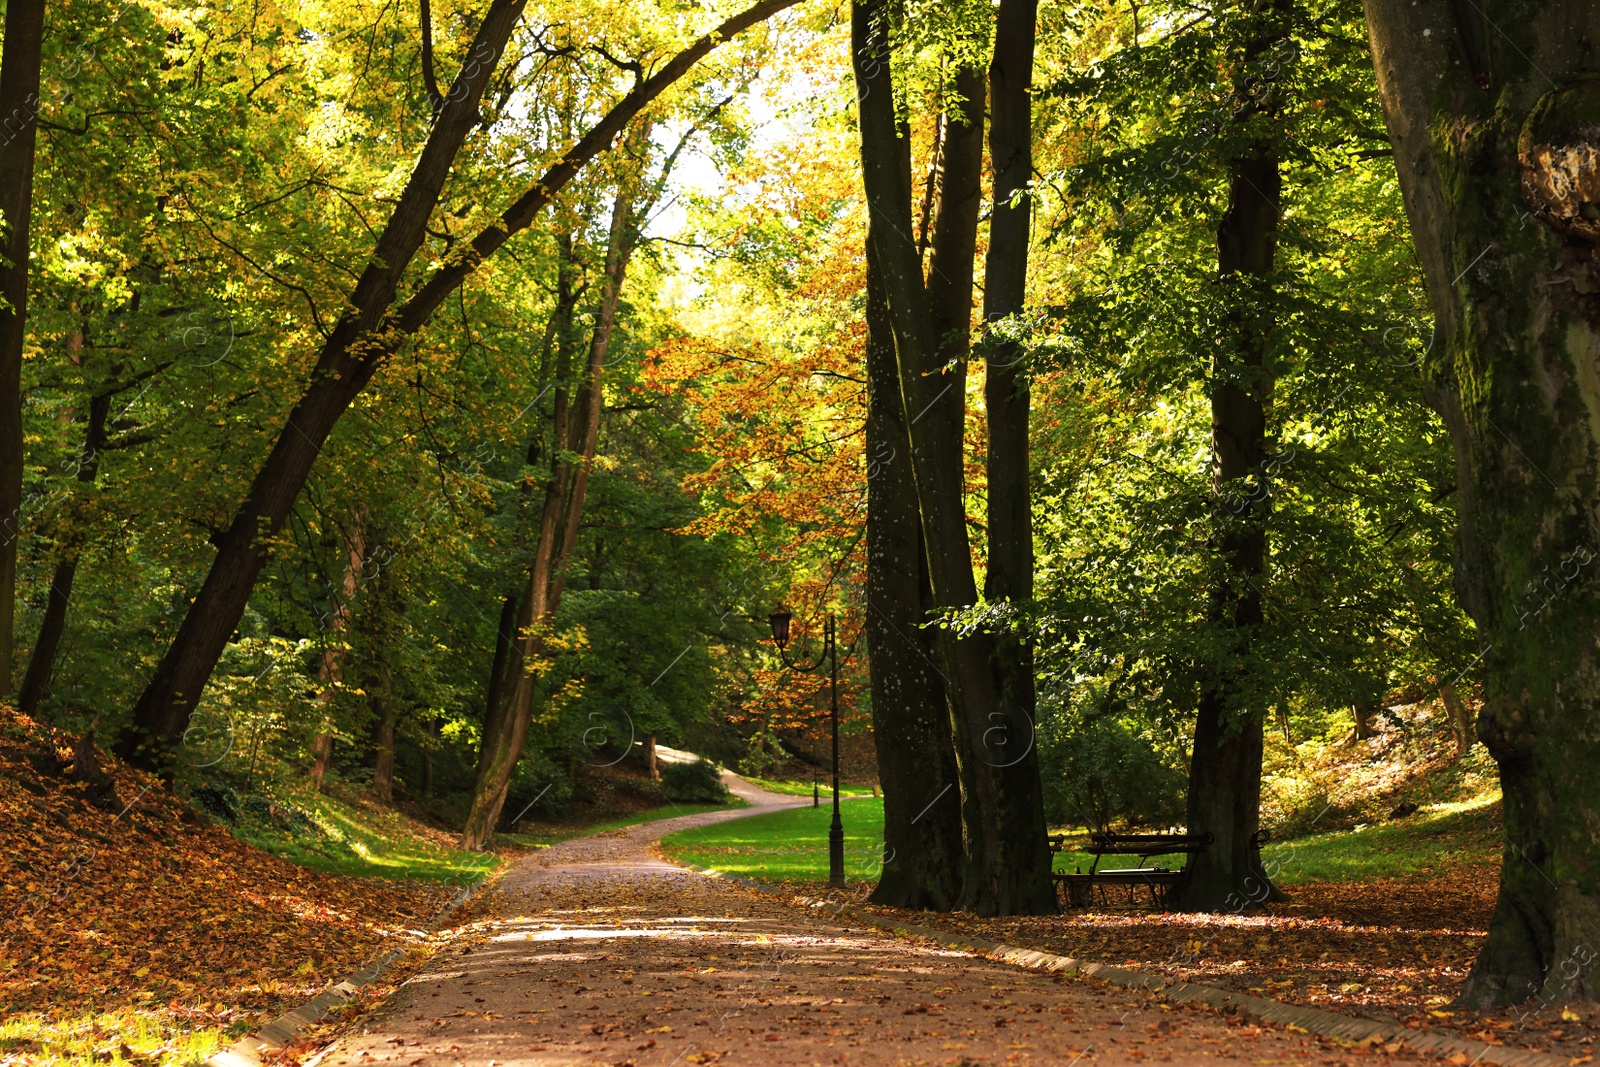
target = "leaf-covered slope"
x: 134, y: 901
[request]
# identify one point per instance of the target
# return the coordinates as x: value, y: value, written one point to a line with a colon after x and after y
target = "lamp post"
x: 830, y: 651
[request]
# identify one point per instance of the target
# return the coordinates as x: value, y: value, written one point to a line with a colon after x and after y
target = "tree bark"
x: 42, y: 662
x: 923, y: 857
x: 361, y: 341
x: 558, y: 532
x: 1364, y: 714
x: 1009, y: 578
x: 1225, y: 765
x: 384, y: 709
x: 428, y: 756
x: 1005, y: 389
x: 1499, y: 162
x: 1462, y: 723
x: 330, y: 670
x: 1006, y: 868
x: 19, y: 129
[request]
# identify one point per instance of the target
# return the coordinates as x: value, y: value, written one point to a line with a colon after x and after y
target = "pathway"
x: 595, y: 951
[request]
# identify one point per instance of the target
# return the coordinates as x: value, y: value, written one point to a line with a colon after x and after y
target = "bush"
x: 1100, y: 772
x: 764, y: 754
x: 699, y: 782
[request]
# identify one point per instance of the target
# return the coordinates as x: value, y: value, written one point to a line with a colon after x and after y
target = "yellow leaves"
x: 1569, y: 1016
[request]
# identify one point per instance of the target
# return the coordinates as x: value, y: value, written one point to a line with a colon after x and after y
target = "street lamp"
x: 830, y: 652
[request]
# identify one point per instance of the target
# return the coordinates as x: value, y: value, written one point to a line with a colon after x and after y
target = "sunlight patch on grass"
x: 802, y: 787
x: 114, y: 1037
x: 786, y: 845
x: 353, y: 838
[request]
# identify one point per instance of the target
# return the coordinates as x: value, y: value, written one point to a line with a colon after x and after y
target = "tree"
x: 1225, y: 765
x: 1006, y: 862
x: 19, y: 129
x: 1492, y: 110
x: 577, y: 426
x: 364, y: 337
x: 910, y: 716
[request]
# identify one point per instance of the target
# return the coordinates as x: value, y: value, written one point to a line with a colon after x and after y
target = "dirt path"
x: 596, y: 951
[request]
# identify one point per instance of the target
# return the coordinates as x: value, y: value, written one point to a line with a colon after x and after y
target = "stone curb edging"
x: 1345, y: 1028
x: 246, y: 1052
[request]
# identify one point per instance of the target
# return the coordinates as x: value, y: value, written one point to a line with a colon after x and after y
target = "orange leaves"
x: 156, y: 907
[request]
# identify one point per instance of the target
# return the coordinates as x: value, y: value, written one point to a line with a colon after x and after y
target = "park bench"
x: 1078, y: 889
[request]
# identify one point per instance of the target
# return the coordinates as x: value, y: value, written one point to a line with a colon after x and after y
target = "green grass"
x: 1435, y: 838
x: 40, y: 1039
x: 362, y: 840
x: 799, y: 787
x: 666, y: 811
x: 786, y: 845
x: 793, y: 845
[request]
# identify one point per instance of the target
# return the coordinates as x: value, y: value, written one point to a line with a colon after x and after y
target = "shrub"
x: 1101, y: 772
x: 699, y: 782
x: 764, y: 754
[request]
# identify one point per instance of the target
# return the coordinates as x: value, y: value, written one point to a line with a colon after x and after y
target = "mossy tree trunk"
x: 1494, y: 112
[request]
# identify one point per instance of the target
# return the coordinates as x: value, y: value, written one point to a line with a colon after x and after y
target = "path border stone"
x: 247, y: 1051
x: 1348, y: 1029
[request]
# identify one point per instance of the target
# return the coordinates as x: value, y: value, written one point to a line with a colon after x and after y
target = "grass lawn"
x: 1437, y: 837
x: 666, y: 811
x: 786, y: 845
x: 802, y: 787
x: 350, y: 836
x: 793, y: 845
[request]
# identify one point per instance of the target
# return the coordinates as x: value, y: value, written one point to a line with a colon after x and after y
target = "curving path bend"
x: 596, y: 951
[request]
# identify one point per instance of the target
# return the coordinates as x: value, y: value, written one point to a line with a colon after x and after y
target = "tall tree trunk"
x: 1009, y: 577
x: 1005, y: 390
x: 384, y: 709
x: 922, y: 859
x: 330, y: 670
x: 42, y: 662
x: 19, y: 105
x: 1006, y: 865
x: 1225, y: 764
x: 361, y: 341
x: 577, y: 431
x: 494, y: 698
x: 1496, y: 143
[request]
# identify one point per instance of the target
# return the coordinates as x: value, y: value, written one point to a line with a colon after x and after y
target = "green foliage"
x: 1104, y: 772
x: 1135, y: 332
x: 764, y: 753
x: 699, y: 780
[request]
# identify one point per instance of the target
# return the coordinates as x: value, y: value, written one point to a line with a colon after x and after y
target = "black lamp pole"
x: 830, y: 649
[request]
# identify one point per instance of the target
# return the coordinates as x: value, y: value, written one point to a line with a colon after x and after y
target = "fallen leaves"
x: 147, y: 905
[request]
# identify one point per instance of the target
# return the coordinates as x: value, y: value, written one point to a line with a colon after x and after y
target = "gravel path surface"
x: 595, y: 951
